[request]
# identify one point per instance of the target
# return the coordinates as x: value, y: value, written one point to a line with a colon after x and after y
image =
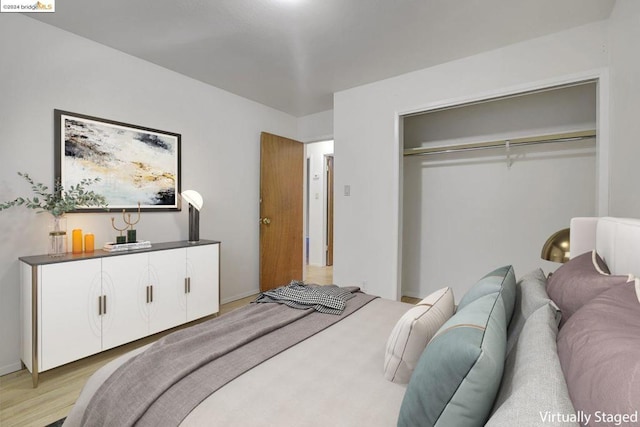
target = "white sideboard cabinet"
x: 78, y: 305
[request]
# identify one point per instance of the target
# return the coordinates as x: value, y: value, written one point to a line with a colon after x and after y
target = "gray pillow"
x: 503, y: 277
x: 532, y: 384
x: 531, y: 294
x: 458, y: 374
x: 599, y: 350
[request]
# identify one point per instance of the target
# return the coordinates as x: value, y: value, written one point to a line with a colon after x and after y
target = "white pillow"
x: 413, y: 331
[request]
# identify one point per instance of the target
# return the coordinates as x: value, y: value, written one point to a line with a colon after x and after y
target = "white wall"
x: 316, y: 152
x: 45, y: 68
x: 315, y: 127
x: 368, y: 153
x: 624, y: 26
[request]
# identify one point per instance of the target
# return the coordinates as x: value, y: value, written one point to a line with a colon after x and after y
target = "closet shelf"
x: 504, y: 143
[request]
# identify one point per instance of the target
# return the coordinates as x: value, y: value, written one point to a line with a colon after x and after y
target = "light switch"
x: 347, y: 190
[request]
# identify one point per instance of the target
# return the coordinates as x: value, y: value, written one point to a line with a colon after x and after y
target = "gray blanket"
x: 163, y: 384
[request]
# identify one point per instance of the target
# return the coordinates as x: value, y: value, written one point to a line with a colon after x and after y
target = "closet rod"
x: 515, y: 142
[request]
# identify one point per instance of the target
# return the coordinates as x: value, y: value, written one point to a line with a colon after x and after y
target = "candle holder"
x: 131, y: 232
x: 121, y: 238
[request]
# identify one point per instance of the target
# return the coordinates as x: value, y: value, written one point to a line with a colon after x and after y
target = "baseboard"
x: 411, y: 294
x: 239, y: 296
x: 13, y: 367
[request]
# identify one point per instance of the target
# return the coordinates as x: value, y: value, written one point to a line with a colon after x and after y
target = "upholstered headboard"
x: 617, y: 241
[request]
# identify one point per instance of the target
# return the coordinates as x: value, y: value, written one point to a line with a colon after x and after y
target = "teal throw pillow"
x: 458, y: 375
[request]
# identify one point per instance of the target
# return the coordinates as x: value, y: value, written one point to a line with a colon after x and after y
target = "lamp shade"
x: 193, y: 198
x: 556, y: 248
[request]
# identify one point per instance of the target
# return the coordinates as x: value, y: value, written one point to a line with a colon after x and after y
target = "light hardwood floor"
x: 319, y: 275
x: 58, y: 389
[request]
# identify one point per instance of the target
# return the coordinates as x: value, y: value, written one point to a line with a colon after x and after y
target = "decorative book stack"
x: 117, y: 247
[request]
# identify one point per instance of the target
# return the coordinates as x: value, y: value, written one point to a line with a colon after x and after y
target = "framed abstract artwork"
x: 135, y: 164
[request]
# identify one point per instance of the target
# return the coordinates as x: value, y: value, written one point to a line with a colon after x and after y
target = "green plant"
x: 59, y: 201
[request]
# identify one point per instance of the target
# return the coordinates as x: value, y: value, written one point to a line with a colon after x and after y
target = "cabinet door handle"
x: 147, y: 294
x: 102, y: 305
x: 186, y: 286
x: 189, y: 282
x: 151, y: 288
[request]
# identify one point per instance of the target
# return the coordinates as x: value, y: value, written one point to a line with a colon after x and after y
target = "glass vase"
x: 58, y: 236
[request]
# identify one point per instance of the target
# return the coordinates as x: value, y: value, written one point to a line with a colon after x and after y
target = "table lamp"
x: 195, y: 204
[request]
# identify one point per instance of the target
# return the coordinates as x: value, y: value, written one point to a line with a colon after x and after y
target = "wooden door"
x: 329, y: 181
x: 281, y: 202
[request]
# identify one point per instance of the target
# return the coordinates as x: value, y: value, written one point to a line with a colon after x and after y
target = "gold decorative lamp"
x: 556, y: 248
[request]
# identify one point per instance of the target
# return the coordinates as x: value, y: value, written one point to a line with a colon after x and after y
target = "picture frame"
x: 135, y: 164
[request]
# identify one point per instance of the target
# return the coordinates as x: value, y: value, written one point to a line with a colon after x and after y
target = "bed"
x: 498, y: 359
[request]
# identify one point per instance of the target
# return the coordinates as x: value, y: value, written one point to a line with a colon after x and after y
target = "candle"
x: 89, y: 242
x: 76, y: 239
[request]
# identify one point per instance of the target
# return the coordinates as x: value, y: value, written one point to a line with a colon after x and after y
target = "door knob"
x: 264, y: 221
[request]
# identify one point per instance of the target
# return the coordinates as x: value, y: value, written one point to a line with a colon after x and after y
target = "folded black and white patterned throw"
x: 328, y: 299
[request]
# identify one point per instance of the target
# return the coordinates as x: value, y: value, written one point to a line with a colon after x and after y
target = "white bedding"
x: 333, y: 378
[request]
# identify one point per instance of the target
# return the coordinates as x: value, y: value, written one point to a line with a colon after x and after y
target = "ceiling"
x: 292, y: 55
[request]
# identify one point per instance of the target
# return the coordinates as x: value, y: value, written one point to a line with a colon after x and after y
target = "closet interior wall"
x: 468, y: 212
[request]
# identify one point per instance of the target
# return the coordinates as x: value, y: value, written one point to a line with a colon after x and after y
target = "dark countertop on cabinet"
x: 99, y: 253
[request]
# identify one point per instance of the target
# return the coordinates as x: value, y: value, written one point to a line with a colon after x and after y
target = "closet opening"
x: 319, y: 212
x: 483, y: 184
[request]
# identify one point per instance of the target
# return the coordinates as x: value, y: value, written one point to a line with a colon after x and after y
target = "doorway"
x: 319, y: 212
